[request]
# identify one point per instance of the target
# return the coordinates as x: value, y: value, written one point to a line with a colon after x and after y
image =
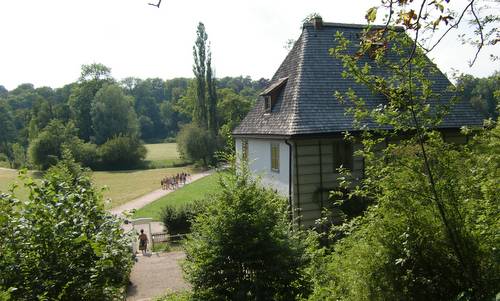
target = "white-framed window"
x: 275, y: 157
x: 244, y: 149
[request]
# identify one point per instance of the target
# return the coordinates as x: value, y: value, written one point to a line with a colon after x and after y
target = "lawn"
x: 124, y: 186
x: 162, y: 155
x: 196, y: 190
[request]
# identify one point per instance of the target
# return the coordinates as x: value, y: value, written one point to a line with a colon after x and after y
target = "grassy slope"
x: 196, y: 190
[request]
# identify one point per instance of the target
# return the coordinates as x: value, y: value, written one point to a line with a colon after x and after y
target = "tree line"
x: 97, y: 116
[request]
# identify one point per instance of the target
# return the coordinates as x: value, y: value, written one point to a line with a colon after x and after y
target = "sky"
x: 46, y: 42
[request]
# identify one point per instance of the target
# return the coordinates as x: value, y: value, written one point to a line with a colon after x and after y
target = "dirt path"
x: 152, y: 196
x: 154, y: 275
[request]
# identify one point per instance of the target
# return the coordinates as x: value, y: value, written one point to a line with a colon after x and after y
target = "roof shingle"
x: 306, y: 104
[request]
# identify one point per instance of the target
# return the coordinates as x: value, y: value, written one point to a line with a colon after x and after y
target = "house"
x: 293, y: 137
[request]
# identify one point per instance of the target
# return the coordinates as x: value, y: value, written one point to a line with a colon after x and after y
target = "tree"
x: 122, y: 152
x: 483, y: 93
x: 399, y: 248
x: 415, y: 189
x: 112, y: 114
x: 59, y: 243
x: 46, y: 149
x: 93, y: 77
x: 243, y: 247
x: 195, y: 143
x: 199, y: 70
x: 212, y: 96
x: 8, y: 132
x: 232, y: 107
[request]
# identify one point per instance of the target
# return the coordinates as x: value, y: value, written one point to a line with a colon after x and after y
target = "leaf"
x: 371, y: 14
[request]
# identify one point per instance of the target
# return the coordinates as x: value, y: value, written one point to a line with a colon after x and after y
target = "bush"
x: 178, y: 219
x: 85, y: 153
x: 46, y: 149
x: 177, y: 296
x: 196, y: 144
x: 243, y: 247
x: 60, y: 243
x: 402, y: 249
x: 122, y: 152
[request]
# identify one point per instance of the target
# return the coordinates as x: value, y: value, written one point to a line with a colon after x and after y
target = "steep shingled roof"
x: 306, y: 104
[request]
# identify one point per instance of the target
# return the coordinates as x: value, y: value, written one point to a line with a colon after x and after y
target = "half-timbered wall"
x: 315, y: 175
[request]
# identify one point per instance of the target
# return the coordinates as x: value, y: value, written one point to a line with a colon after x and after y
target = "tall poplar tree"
x: 204, y: 113
x: 212, y: 96
x: 199, y: 70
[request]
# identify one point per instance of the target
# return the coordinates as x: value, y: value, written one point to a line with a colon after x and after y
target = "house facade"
x: 293, y: 136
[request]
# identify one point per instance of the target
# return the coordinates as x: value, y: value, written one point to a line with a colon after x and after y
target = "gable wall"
x: 259, y: 161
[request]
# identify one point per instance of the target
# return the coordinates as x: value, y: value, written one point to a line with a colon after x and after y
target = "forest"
x: 98, y: 114
x: 36, y: 122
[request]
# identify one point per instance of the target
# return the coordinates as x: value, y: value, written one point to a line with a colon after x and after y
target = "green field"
x: 162, y: 155
x: 196, y: 190
x: 122, y: 186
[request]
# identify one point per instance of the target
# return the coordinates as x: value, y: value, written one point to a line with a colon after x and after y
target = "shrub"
x: 60, y: 243
x: 178, y: 219
x: 46, y: 149
x: 177, y: 296
x: 195, y: 144
x: 243, y: 247
x: 84, y: 153
x: 401, y: 248
x: 122, y: 152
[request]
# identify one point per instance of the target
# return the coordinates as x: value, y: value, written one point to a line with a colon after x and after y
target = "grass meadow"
x: 197, y: 190
x: 122, y: 186
x: 161, y: 155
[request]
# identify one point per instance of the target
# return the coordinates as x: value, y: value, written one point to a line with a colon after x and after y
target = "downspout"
x: 290, y: 201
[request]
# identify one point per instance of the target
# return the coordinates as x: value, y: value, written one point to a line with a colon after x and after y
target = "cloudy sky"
x: 46, y: 42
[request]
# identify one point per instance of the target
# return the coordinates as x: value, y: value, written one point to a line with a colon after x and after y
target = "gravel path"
x: 155, y: 275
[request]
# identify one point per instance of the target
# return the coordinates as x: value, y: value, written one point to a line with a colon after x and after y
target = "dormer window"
x: 270, y: 94
x: 268, y: 103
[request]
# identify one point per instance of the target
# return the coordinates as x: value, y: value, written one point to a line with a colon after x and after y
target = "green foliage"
x: 243, y: 247
x: 122, y: 152
x: 430, y: 233
x: 18, y: 156
x: 178, y: 218
x: 46, y: 149
x: 483, y: 93
x: 112, y: 114
x: 178, y: 296
x: 400, y: 247
x: 60, y: 244
x: 195, y: 144
x: 93, y: 77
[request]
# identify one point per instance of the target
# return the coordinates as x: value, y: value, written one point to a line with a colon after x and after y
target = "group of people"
x: 173, y: 182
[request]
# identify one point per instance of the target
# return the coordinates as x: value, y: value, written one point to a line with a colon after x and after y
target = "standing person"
x: 143, y: 242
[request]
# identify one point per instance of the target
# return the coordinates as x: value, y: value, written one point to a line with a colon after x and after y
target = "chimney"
x: 317, y: 22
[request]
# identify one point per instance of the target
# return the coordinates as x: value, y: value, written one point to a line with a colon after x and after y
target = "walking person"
x: 143, y: 242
